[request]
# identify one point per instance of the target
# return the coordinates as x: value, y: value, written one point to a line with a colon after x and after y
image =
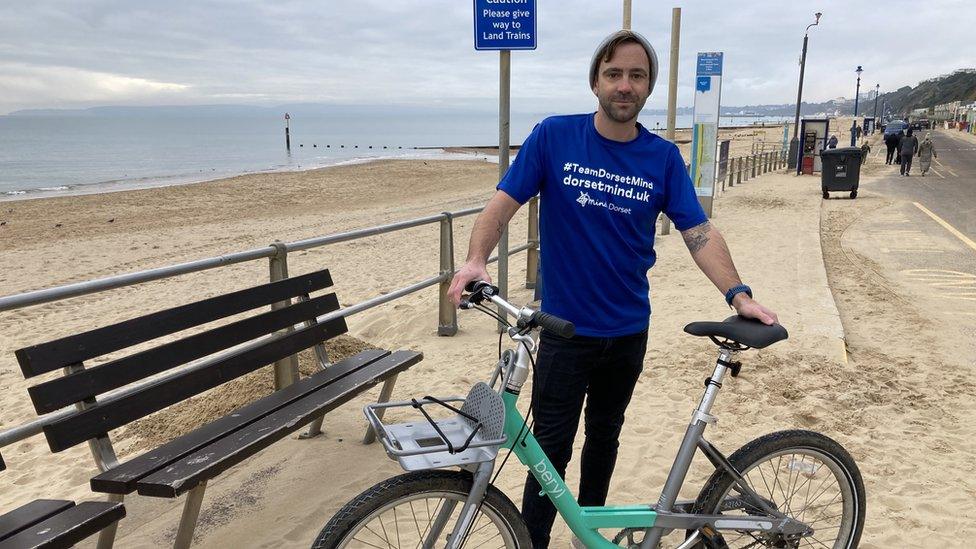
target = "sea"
x: 105, y: 150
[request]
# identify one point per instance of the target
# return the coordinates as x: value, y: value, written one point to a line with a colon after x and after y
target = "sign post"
x: 504, y: 25
x: 708, y: 98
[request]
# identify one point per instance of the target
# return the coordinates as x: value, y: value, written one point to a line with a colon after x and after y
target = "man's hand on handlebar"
x: 468, y: 272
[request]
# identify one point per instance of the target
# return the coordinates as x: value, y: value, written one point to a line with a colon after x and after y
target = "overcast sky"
x: 81, y: 53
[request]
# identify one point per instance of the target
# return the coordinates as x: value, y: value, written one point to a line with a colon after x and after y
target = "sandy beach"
x: 851, y: 368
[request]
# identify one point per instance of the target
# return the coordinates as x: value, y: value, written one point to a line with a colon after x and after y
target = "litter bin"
x: 841, y: 170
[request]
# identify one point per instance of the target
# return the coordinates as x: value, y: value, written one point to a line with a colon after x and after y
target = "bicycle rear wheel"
x: 806, y: 476
x: 420, y: 509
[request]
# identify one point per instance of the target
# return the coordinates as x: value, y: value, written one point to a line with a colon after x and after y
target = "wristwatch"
x: 737, y: 289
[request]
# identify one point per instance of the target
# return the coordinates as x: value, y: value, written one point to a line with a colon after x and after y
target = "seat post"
x: 713, y: 384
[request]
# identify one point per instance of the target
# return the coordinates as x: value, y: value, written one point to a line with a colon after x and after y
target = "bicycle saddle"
x: 739, y: 330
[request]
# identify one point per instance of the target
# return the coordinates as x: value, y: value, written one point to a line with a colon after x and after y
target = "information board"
x: 708, y: 95
x: 505, y: 25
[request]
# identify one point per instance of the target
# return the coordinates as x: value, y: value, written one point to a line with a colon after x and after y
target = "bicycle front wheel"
x: 420, y: 509
x: 804, y: 475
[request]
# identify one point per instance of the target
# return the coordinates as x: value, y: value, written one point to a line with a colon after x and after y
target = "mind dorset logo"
x: 583, y: 199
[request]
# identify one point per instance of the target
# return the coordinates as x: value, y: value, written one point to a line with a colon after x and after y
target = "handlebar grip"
x: 477, y: 285
x: 562, y: 328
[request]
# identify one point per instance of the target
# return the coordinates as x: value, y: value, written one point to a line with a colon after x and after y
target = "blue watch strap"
x: 740, y: 288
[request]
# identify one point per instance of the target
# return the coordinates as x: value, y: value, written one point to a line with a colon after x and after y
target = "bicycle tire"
x: 342, y: 529
x: 758, y: 451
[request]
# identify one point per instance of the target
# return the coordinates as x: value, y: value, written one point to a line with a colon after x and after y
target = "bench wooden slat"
x: 76, y: 387
x: 67, y: 528
x: 101, y: 418
x: 122, y: 479
x: 47, y: 357
x: 28, y: 515
x: 212, y: 460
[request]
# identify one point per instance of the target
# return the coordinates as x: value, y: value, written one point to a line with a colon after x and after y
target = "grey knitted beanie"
x: 651, y: 55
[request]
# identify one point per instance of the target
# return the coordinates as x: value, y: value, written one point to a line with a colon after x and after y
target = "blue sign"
x: 703, y: 83
x: 504, y: 25
x: 710, y: 64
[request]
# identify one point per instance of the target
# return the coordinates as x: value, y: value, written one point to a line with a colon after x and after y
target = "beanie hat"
x: 632, y: 36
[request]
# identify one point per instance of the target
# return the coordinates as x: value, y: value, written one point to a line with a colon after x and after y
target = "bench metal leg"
x: 385, y: 395
x: 191, y: 511
x: 106, y: 538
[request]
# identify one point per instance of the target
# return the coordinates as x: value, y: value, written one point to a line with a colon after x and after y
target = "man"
x: 603, y: 179
x: 865, y: 151
x: 832, y: 142
x: 908, y: 147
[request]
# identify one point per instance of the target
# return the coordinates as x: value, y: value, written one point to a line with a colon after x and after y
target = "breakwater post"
x: 287, y: 133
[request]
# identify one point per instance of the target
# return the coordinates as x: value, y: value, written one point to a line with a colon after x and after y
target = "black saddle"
x: 738, y: 332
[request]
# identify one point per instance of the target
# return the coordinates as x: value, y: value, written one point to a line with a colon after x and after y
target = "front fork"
x: 481, y: 472
x: 479, y: 487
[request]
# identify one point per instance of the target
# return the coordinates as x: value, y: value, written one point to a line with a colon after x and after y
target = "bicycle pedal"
x: 712, y: 539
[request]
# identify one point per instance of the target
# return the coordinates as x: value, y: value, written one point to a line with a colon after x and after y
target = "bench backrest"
x: 83, y: 385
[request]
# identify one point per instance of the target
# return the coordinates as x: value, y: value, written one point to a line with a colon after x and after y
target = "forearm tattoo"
x: 697, y: 237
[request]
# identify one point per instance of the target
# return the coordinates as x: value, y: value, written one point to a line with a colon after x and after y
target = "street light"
x: 856, y: 94
x: 877, y: 90
x: 795, y: 143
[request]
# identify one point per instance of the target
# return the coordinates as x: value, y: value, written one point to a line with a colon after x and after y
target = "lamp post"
x: 856, y: 94
x: 795, y: 142
x: 877, y: 90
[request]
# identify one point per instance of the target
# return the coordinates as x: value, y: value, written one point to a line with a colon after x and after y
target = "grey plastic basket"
x: 417, y: 445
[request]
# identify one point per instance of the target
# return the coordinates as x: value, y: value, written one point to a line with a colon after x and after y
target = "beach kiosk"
x: 813, y: 139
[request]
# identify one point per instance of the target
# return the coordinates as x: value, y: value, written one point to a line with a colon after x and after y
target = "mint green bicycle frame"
x: 583, y: 521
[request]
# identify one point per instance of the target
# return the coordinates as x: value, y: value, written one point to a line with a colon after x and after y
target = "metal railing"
x: 744, y: 168
x: 286, y: 370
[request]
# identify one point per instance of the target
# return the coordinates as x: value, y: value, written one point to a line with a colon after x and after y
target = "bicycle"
x: 784, y: 489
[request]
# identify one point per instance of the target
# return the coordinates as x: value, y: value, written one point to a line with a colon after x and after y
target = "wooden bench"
x: 54, y: 523
x: 208, y: 359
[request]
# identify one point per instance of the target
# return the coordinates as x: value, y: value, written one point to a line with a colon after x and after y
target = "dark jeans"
x: 891, y: 154
x: 906, y: 163
x: 604, y: 371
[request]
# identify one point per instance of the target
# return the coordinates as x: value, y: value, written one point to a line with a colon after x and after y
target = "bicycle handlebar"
x: 560, y: 327
x: 481, y: 290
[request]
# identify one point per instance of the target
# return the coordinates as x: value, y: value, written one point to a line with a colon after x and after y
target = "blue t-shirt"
x: 599, y: 199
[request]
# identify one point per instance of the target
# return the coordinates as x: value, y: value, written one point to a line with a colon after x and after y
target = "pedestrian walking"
x: 908, y: 147
x: 832, y: 142
x: 891, y: 141
x: 925, y: 153
x: 865, y: 151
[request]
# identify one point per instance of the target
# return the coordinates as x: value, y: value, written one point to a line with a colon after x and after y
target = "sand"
x: 903, y: 419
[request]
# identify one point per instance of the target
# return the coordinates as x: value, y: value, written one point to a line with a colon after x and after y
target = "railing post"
x: 447, y: 317
x: 286, y: 369
x: 729, y: 168
x: 753, y: 158
x: 738, y: 171
x: 532, y: 254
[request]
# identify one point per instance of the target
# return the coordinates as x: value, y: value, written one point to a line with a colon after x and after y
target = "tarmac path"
x: 927, y: 237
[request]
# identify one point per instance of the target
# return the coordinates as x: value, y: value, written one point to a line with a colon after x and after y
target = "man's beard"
x: 619, y: 113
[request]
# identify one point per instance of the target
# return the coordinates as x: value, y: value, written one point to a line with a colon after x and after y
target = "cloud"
x: 57, y: 86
